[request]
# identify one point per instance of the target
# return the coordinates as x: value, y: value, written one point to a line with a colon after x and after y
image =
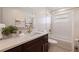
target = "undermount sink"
x: 34, y: 33
x: 30, y: 34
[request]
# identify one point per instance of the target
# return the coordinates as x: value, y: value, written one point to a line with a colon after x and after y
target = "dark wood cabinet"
x: 33, y: 48
x: 45, y: 47
x: 16, y: 49
x: 37, y: 45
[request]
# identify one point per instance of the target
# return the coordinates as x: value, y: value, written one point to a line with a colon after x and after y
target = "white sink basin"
x: 30, y: 34
x: 34, y: 33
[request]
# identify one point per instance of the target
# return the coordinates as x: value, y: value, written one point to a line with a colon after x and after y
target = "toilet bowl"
x: 52, y: 41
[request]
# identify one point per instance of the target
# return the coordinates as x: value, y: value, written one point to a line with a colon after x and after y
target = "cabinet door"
x: 16, y: 49
x: 35, y: 48
x: 45, y: 43
x: 45, y: 47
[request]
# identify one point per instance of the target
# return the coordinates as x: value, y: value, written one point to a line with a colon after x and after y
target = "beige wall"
x: 11, y: 14
x: 0, y: 15
x: 39, y: 16
x: 76, y: 23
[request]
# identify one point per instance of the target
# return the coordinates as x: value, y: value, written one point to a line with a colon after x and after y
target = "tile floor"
x: 55, y: 48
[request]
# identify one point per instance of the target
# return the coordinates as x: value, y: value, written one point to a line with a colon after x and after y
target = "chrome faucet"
x: 30, y: 27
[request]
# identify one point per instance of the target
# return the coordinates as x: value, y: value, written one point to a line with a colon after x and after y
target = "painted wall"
x: 76, y: 23
x: 0, y: 15
x: 11, y: 14
x: 39, y: 16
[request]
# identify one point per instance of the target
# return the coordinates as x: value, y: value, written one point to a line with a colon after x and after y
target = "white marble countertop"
x: 7, y: 44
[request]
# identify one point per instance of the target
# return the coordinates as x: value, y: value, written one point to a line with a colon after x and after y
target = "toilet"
x: 52, y: 44
x: 52, y: 41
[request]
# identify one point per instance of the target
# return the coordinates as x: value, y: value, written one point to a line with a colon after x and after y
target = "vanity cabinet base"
x: 37, y: 45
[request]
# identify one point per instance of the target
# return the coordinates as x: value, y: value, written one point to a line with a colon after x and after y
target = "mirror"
x: 24, y: 17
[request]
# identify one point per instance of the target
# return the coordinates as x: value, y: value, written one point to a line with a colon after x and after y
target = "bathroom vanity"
x: 35, y: 43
